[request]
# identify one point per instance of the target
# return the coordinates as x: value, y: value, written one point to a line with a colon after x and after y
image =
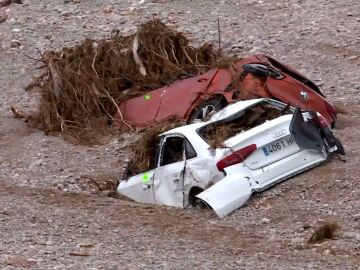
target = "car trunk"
x: 263, y: 128
x: 273, y: 142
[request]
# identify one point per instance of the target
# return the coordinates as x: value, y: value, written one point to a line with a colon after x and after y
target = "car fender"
x: 216, y: 89
x: 227, y: 195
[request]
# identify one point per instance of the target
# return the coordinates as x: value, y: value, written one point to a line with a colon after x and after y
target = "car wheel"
x: 206, y: 109
x: 199, y: 204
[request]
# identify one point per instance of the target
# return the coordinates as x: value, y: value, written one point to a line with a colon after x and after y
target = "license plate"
x: 278, y: 146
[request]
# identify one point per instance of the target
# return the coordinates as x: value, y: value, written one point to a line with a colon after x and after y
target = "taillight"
x: 235, y: 157
x: 321, y: 121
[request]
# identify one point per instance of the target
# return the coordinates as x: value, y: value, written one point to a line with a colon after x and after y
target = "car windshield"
x: 216, y: 133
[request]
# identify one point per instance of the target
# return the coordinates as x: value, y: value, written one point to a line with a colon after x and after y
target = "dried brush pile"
x: 217, y: 133
x: 324, y: 232
x: 82, y: 85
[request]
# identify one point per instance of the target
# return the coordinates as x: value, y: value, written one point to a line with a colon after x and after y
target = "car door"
x: 169, y: 175
x: 139, y: 187
x: 142, y: 110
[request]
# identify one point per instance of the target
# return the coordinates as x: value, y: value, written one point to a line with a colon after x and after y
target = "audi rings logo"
x: 279, y: 133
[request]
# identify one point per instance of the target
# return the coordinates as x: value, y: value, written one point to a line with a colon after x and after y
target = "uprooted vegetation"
x: 83, y: 84
x: 217, y: 133
x: 324, y: 232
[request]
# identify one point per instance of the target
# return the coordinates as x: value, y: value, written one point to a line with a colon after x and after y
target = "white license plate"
x: 278, y: 146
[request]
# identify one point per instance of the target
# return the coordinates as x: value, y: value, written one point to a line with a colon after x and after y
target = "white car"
x: 244, y: 148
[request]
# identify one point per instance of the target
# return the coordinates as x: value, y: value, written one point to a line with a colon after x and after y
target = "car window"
x: 262, y: 70
x: 189, y: 150
x: 172, y: 150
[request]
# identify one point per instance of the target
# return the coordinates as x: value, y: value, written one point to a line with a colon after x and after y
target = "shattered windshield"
x: 216, y: 133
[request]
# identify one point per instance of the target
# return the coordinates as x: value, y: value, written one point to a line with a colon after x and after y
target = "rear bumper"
x: 236, y: 188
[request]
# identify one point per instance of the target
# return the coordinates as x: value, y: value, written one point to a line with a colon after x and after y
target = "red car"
x: 252, y: 77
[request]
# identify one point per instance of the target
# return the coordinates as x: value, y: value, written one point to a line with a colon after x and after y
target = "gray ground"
x: 50, y: 206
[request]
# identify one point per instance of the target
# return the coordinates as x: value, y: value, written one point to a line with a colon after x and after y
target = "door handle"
x: 144, y: 187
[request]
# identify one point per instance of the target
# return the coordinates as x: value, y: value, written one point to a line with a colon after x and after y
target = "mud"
x: 46, y: 214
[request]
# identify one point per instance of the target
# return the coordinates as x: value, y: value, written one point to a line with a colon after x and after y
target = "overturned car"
x: 246, y: 147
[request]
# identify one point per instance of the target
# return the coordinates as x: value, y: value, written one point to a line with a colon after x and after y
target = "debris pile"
x: 217, y: 133
x: 324, y: 232
x: 83, y: 84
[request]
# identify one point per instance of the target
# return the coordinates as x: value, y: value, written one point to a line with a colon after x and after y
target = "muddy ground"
x: 52, y: 214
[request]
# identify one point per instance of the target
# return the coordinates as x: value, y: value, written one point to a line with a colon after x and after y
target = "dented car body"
x: 244, y: 148
x: 252, y: 77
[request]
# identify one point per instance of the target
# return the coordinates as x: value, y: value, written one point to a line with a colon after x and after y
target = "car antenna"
x: 219, y: 34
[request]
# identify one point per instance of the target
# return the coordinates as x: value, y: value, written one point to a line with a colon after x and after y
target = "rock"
x: 319, y: 84
x: 280, y: 5
x: 20, y: 262
x: 60, y: 186
x: 353, y: 57
x: 71, y: 1
x: 15, y: 43
x: 352, y: 235
x: 80, y: 254
x: 66, y: 13
x: 49, y: 243
x: 255, y: 50
x: 356, y: 217
x: 265, y: 220
x: 86, y: 245
x: 326, y: 252
x: 108, y: 8
x: 36, y: 163
x: 3, y: 17
x: 296, y: 240
x: 251, y: 38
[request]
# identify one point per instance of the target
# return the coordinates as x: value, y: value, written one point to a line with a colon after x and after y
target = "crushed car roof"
x: 220, y: 115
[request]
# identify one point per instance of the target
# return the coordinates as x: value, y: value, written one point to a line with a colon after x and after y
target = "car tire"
x: 206, y: 109
x: 199, y: 204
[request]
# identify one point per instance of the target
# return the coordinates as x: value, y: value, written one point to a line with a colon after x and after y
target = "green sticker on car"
x: 145, y: 178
